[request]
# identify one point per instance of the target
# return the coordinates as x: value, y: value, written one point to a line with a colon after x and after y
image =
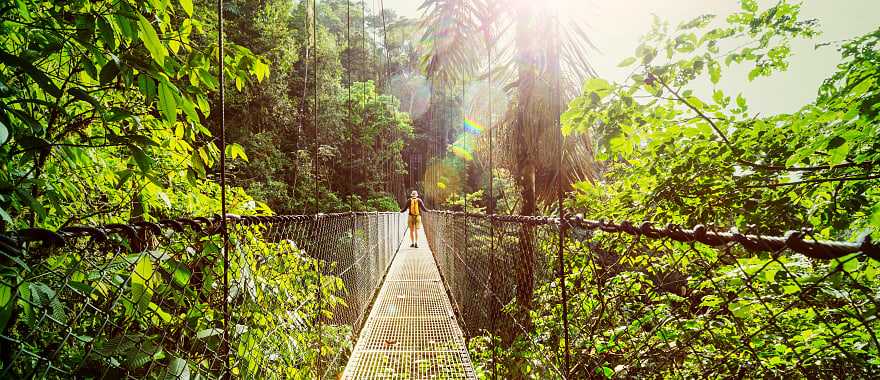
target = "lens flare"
x: 472, y: 126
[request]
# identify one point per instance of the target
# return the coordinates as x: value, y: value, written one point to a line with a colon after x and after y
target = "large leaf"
x: 187, y: 6
x: 143, y: 161
x: 6, y: 302
x: 178, y: 369
x: 4, y: 133
x: 151, y: 40
x: 141, y: 293
x: 167, y: 102
x: 109, y: 72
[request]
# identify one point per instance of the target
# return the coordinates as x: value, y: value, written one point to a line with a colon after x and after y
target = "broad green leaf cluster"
x: 643, y: 307
x: 105, y: 310
x: 104, y: 109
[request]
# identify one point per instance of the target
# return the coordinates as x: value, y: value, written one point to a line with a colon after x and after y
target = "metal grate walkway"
x: 411, y: 332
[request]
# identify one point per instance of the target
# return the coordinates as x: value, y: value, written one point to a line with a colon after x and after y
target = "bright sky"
x: 615, y: 26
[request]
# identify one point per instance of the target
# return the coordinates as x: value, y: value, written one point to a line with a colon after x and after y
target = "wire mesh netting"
x: 147, y: 300
x: 656, y: 302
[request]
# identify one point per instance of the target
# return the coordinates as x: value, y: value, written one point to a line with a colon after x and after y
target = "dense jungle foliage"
x: 109, y: 113
x: 643, y: 308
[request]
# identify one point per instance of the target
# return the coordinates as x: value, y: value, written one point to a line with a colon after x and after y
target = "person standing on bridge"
x: 415, y: 207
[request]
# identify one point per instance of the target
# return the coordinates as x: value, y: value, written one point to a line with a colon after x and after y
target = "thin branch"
x: 711, y: 121
x: 697, y: 110
x: 818, y: 180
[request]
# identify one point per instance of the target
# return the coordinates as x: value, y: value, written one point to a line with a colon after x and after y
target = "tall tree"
x: 534, y: 73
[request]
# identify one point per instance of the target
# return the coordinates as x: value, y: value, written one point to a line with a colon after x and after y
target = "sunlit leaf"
x: 151, y: 40
x: 187, y: 6
x: 167, y: 102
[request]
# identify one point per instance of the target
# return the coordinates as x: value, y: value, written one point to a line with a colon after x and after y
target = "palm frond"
x: 452, y: 38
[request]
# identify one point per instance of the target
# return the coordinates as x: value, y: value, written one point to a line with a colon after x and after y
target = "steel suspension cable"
x: 557, y: 111
x: 315, y: 174
x: 364, y: 74
x: 304, y: 100
x: 315, y: 169
x: 348, y: 111
x: 382, y: 77
x: 387, y: 75
x: 491, y: 205
x: 227, y: 373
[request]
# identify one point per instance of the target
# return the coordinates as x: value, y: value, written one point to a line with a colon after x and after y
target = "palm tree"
x: 534, y: 72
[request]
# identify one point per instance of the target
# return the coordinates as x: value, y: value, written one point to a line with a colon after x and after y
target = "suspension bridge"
x: 486, y: 296
x: 163, y: 300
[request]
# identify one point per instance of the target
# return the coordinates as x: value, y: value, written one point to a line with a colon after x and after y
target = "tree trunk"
x: 525, y: 265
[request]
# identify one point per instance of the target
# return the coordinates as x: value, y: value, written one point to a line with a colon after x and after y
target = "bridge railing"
x: 149, y: 300
x: 646, y: 301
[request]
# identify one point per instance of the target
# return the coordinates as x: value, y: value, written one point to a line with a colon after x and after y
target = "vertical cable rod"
x: 491, y: 203
x: 349, y: 113
x: 223, y: 227
x: 557, y: 111
x: 315, y: 174
x: 315, y: 168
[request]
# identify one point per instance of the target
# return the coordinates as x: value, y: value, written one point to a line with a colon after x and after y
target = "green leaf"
x: 178, y: 369
x: 755, y: 73
x: 167, y: 102
x: 207, y: 333
x: 126, y: 26
x: 23, y: 10
x: 740, y: 309
x: 838, y: 155
x: 108, y: 72
x: 596, y: 84
x: 105, y: 31
x: 144, y: 162
x: 159, y: 4
x: 189, y: 108
x: 4, y: 133
x: 5, y: 216
x: 6, y: 303
x: 180, y: 275
x: 187, y: 6
x: 235, y: 151
x: 875, y: 217
x: 141, y: 293
x: 714, y: 71
x: 147, y: 87
x: 261, y: 70
x: 718, y: 97
x: 151, y: 40
x: 627, y: 62
x: 741, y: 103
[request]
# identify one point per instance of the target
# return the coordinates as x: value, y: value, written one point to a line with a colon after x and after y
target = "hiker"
x: 415, y: 206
